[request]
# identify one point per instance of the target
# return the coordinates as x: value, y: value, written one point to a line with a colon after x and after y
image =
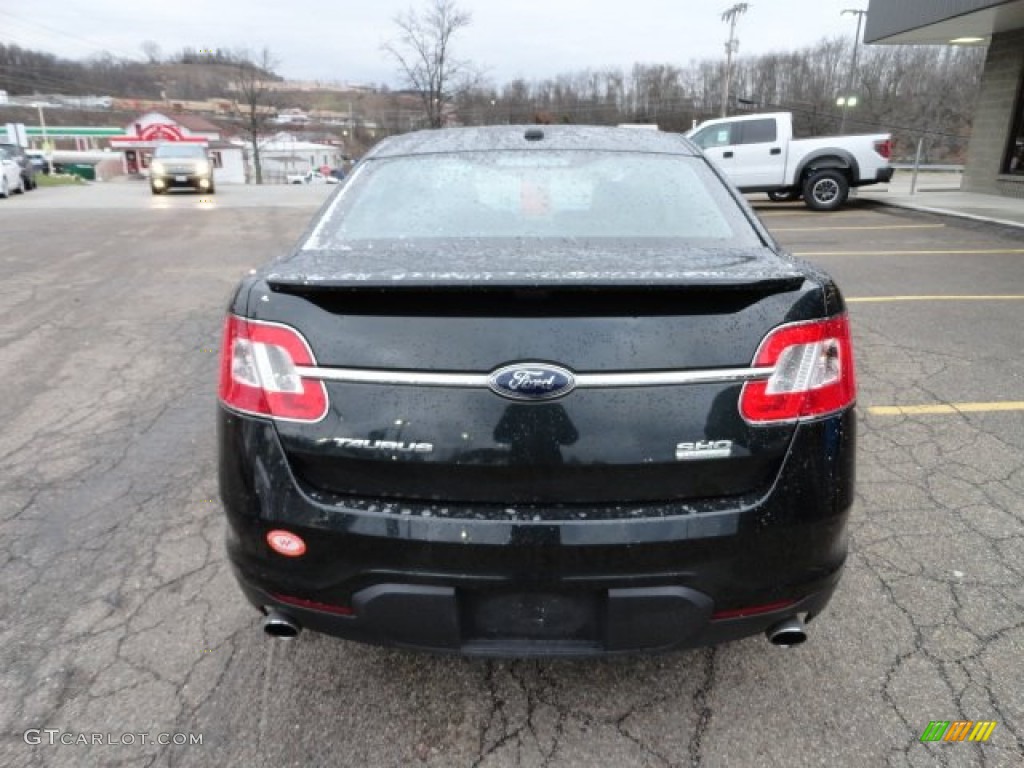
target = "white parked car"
x: 10, y: 175
x: 311, y: 177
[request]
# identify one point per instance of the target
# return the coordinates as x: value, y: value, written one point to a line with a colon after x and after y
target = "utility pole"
x: 730, y: 48
x: 853, y: 67
x: 47, y: 152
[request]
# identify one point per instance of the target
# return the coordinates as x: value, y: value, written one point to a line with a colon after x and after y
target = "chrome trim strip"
x: 583, y: 380
x: 402, y: 378
x: 671, y: 378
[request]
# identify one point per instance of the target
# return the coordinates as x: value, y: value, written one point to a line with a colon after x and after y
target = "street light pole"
x: 730, y: 48
x: 47, y: 152
x: 860, y: 14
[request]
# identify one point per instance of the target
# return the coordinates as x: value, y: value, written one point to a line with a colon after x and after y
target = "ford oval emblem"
x: 532, y: 381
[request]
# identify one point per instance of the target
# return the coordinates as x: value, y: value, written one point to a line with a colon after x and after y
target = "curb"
x: 945, y: 212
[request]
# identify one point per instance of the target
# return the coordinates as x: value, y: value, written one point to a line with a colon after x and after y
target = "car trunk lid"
x: 659, y: 357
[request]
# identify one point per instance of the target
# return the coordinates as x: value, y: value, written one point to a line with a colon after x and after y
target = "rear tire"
x: 787, y: 196
x: 20, y: 189
x: 826, y: 190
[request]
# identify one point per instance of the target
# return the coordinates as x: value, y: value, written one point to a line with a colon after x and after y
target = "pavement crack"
x: 702, y: 708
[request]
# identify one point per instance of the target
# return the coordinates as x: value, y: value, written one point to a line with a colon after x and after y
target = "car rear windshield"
x: 536, y: 194
x: 179, y: 151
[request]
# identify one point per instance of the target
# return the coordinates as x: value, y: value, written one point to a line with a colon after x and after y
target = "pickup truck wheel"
x: 784, y: 197
x: 826, y: 190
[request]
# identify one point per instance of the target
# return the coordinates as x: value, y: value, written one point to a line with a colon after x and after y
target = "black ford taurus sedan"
x: 537, y: 391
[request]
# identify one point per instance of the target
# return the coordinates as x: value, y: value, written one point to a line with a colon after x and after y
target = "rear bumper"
x: 882, y: 176
x: 526, y: 584
x: 472, y: 622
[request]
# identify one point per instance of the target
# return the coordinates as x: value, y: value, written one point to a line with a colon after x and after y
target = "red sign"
x: 153, y: 133
x: 160, y: 132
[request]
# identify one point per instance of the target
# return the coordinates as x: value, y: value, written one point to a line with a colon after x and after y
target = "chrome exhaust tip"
x: 277, y: 624
x: 787, y: 633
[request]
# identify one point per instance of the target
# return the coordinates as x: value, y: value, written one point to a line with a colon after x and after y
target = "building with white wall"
x: 148, y: 131
x: 283, y: 154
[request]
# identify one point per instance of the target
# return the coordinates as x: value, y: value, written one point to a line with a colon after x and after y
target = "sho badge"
x: 704, y: 449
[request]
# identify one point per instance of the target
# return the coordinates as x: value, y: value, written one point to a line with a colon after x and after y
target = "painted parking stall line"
x: 940, y: 409
x: 945, y: 409
x: 895, y: 299
x: 854, y: 227
x: 943, y: 252
x: 772, y: 213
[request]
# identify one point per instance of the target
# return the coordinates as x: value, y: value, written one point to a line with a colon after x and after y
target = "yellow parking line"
x: 884, y: 299
x: 987, y: 251
x: 781, y: 214
x: 852, y: 227
x: 945, y: 408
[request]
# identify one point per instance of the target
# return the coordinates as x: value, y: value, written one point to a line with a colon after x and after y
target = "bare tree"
x: 152, y: 51
x: 253, y: 76
x: 424, y: 55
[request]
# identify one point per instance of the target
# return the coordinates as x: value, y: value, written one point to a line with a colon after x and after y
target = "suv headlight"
x: 202, y: 167
x: 156, y: 167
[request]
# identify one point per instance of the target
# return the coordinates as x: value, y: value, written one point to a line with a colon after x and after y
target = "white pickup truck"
x: 759, y: 154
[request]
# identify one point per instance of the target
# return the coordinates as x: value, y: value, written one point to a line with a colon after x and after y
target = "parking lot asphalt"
x: 121, y: 618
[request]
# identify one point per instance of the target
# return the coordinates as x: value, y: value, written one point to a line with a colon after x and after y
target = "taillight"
x: 258, y: 372
x: 884, y: 148
x: 813, y: 373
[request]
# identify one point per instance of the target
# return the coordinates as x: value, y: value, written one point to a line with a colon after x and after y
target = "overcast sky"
x: 341, y: 39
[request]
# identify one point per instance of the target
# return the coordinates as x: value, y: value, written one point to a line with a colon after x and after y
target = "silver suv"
x: 180, y: 165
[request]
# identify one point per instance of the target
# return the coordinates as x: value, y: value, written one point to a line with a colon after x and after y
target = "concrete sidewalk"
x: 940, y: 193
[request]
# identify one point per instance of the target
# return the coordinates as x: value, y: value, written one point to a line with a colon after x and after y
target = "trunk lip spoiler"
x: 302, y: 285
x: 583, y: 380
